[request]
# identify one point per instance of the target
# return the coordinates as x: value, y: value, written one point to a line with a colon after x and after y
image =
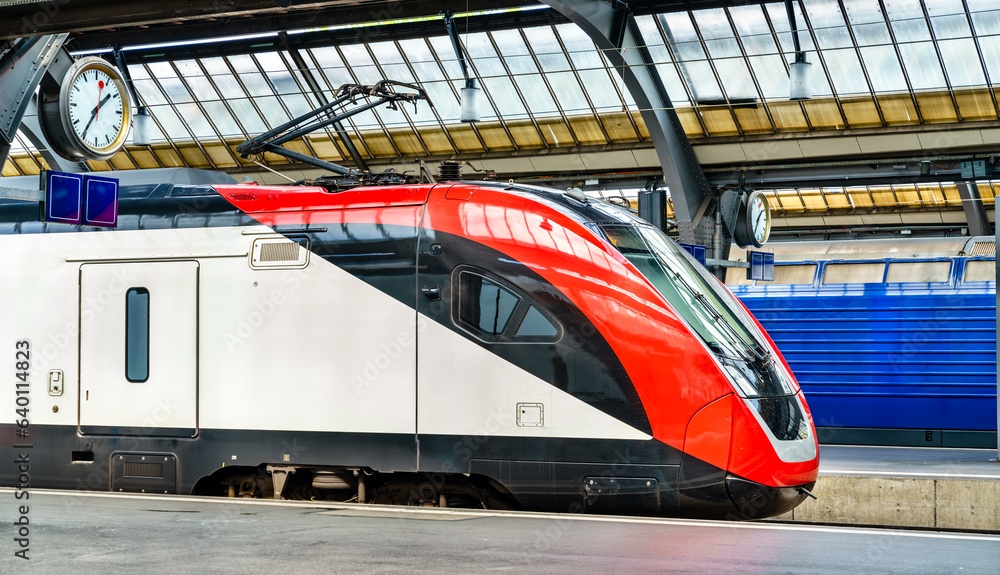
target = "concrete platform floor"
x: 82, y: 533
x: 906, y: 486
x: 925, y: 462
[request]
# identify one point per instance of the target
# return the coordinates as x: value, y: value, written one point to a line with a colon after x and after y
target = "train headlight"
x: 742, y: 377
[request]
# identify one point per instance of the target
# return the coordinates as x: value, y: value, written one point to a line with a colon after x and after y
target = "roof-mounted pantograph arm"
x: 383, y: 92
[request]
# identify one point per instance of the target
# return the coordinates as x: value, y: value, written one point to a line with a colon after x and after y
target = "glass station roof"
x: 875, y: 63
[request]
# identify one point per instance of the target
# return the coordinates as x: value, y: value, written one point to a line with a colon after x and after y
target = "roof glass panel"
x: 223, y: 119
x: 922, y: 66
x: 425, y: 67
x: 337, y: 77
x: 255, y: 84
x: 602, y: 92
x: 274, y: 113
x: 482, y: 56
x: 736, y: 79
x: 568, y: 92
x: 446, y: 55
x: 863, y: 12
x: 149, y: 92
x: 872, y: 34
x: 270, y: 62
x: 444, y: 99
x: 944, y: 7
x: 196, y: 121
x: 985, y: 17
x: 907, y: 20
x: 946, y: 27
x: 175, y: 90
x: 828, y: 24
x: 990, y: 46
x: 771, y: 76
x: 754, y: 30
x: 545, y: 45
x: 228, y: 86
x: 171, y: 125
x: 961, y: 60
x: 886, y: 73
x: 541, y: 100
x: 583, y: 54
x: 201, y: 87
x: 778, y: 18
x: 504, y: 95
x: 845, y: 71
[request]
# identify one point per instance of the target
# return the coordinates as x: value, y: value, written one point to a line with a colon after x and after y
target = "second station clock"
x: 753, y: 225
x: 89, y: 117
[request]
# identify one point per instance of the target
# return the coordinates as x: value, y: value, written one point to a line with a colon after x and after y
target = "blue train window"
x: 981, y: 271
x: 854, y: 273
x: 497, y: 312
x: 485, y: 305
x: 919, y: 272
x: 137, y: 335
x: 535, y: 324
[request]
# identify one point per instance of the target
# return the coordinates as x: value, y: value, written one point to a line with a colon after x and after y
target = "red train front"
x: 571, y: 357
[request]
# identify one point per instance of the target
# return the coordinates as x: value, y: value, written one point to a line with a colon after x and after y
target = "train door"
x: 139, y: 348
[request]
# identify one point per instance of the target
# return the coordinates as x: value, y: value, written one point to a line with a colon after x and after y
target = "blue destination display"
x: 63, y: 198
x: 100, y: 201
x: 761, y: 266
x: 80, y: 199
x: 697, y: 251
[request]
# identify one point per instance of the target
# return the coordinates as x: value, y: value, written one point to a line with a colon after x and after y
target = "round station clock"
x: 753, y: 225
x: 89, y: 117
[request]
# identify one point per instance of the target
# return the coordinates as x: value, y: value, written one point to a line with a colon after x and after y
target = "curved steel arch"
x: 613, y: 28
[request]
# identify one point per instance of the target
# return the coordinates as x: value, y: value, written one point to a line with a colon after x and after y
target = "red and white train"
x: 454, y: 344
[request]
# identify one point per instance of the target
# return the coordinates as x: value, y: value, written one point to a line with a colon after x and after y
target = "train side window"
x: 981, y: 271
x: 798, y: 274
x: 137, y: 335
x: 535, y: 325
x: 485, y: 305
x: 919, y: 272
x: 854, y: 273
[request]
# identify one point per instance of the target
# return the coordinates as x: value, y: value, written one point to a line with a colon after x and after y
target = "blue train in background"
x: 893, y: 341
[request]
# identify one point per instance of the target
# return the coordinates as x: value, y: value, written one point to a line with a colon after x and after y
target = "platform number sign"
x: 761, y: 266
x: 79, y: 199
x: 697, y: 251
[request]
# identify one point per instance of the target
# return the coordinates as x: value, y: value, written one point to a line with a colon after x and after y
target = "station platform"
x: 905, y: 486
x: 87, y: 533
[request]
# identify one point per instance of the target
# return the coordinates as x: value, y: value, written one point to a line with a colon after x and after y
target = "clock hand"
x: 93, y: 114
x: 100, y: 88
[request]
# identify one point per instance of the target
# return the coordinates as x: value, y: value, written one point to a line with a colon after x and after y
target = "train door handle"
x: 432, y: 293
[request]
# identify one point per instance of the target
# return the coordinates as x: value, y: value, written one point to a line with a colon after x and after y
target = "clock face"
x: 97, y: 109
x: 759, y: 215
x: 87, y: 114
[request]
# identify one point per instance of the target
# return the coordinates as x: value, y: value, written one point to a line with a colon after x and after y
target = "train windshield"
x: 705, y: 305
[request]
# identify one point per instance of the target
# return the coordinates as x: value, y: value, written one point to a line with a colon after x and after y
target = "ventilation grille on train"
x: 243, y: 197
x: 137, y: 469
x: 279, y: 252
x: 984, y: 248
x: 272, y: 253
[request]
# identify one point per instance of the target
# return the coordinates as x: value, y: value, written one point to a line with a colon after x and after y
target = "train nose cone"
x: 754, y: 500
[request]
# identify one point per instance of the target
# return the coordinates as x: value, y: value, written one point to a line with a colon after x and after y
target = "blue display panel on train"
x: 919, y: 355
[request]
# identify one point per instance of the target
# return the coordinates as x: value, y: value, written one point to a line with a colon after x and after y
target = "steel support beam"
x: 307, y: 74
x: 613, y: 28
x: 975, y: 213
x: 22, y: 68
